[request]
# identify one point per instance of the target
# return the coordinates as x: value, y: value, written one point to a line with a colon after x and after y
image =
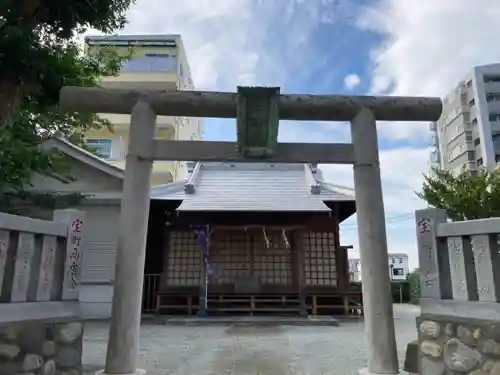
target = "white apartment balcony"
x: 492, y: 86
x: 495, y: 127
x: 434, y: 156
x: 138, y: 82
x: 494, y: 106
x: 433, y: 140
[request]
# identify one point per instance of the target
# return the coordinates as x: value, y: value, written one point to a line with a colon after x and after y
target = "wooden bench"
x: 188, y: 304
x: 253, y: 303
x: 349, y: 306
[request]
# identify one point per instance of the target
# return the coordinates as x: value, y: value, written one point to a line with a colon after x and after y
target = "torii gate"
x: 258, y: 111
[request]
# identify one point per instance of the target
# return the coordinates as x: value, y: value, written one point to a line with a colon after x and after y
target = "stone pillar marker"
x: 75, y: 220
x: 377, y: 299
x: 123, y: 342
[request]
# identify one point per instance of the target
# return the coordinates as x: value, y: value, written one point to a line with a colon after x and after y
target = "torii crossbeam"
x: 362, y: 113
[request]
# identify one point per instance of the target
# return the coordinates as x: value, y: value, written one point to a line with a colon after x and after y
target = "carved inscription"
x: 22, y: 271
x: 46, y: 276
x: 483, y: 261
x: 73, y: 259
x: 457, y: 268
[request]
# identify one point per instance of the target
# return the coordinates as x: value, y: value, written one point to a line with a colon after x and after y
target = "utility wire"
x: 391, y: 221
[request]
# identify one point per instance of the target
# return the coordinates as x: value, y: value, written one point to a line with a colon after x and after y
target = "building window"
x: 469, y: 83
x: 492, y: 79
x: 494, y: 117
x: 477, y: 141
x: 479, y: 162
x: 468, y: 136
x: 492, y: 97
x: 101, y: 147
x: 151, y: 63
x: 474, y: 121
x: 400, y: 260
x: 398, y: 272
x: 472, y: 102
x: 471, y: 155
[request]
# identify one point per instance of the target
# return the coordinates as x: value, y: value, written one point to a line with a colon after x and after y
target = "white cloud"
x: 428, y: 47
x: 231, y: 42
x: 351, y: 81
x: 401, y: 170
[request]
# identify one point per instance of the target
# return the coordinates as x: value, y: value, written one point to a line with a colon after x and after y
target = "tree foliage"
x: 467, y: 195
x: 40, y: 53
x: 415, y: 291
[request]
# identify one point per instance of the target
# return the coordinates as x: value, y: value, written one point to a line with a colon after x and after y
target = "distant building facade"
x: 398, y: 267
x: 467, y: 135
x: 159, y: 62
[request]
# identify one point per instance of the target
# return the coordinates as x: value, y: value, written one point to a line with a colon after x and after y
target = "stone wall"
x: 41, y: 348
x: 454, y: 346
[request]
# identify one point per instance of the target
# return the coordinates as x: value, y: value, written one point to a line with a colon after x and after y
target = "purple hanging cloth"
x: 203, y: 240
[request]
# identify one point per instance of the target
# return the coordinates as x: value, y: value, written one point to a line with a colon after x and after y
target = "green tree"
x: 467, y: 195
x: 40, y: 53
x: 414, y: 280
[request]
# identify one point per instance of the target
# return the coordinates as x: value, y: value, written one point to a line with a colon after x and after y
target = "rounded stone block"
x: 489, y: 346
x: 31, y: 337
x: 495, y: 369
x: 431, y: 349
x: 430, y: 328
x: 365, y: 371
x: 9, y: 351
x: 69, y: 332
x: 32, y: 362
x: 49, y: 349
x: 72, y: 371
x: 68, y: 357
x: 460, y: 357
x: 48, y: 368
x: 430, y: 367
x: 136, y: 372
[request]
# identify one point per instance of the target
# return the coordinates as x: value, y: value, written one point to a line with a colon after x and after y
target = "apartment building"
x: 468, y: 133
x: 398, y: 267
x: 158, y: 62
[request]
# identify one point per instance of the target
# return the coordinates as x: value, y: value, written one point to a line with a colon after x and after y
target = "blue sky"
x: 396, y: 47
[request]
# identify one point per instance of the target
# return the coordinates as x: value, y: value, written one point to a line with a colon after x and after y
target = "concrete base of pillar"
x: 365, y: 371
x: 136, y: 372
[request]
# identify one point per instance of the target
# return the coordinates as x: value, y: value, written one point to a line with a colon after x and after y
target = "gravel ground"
x: 239, y: 350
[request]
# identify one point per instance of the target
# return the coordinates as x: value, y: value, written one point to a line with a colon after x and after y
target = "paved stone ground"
x: 240, y: 350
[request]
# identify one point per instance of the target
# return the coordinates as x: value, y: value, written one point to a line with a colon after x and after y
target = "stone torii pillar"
x: 361, y: 111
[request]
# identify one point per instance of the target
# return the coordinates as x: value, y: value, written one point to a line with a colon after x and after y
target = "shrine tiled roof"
x: 252, y: 187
